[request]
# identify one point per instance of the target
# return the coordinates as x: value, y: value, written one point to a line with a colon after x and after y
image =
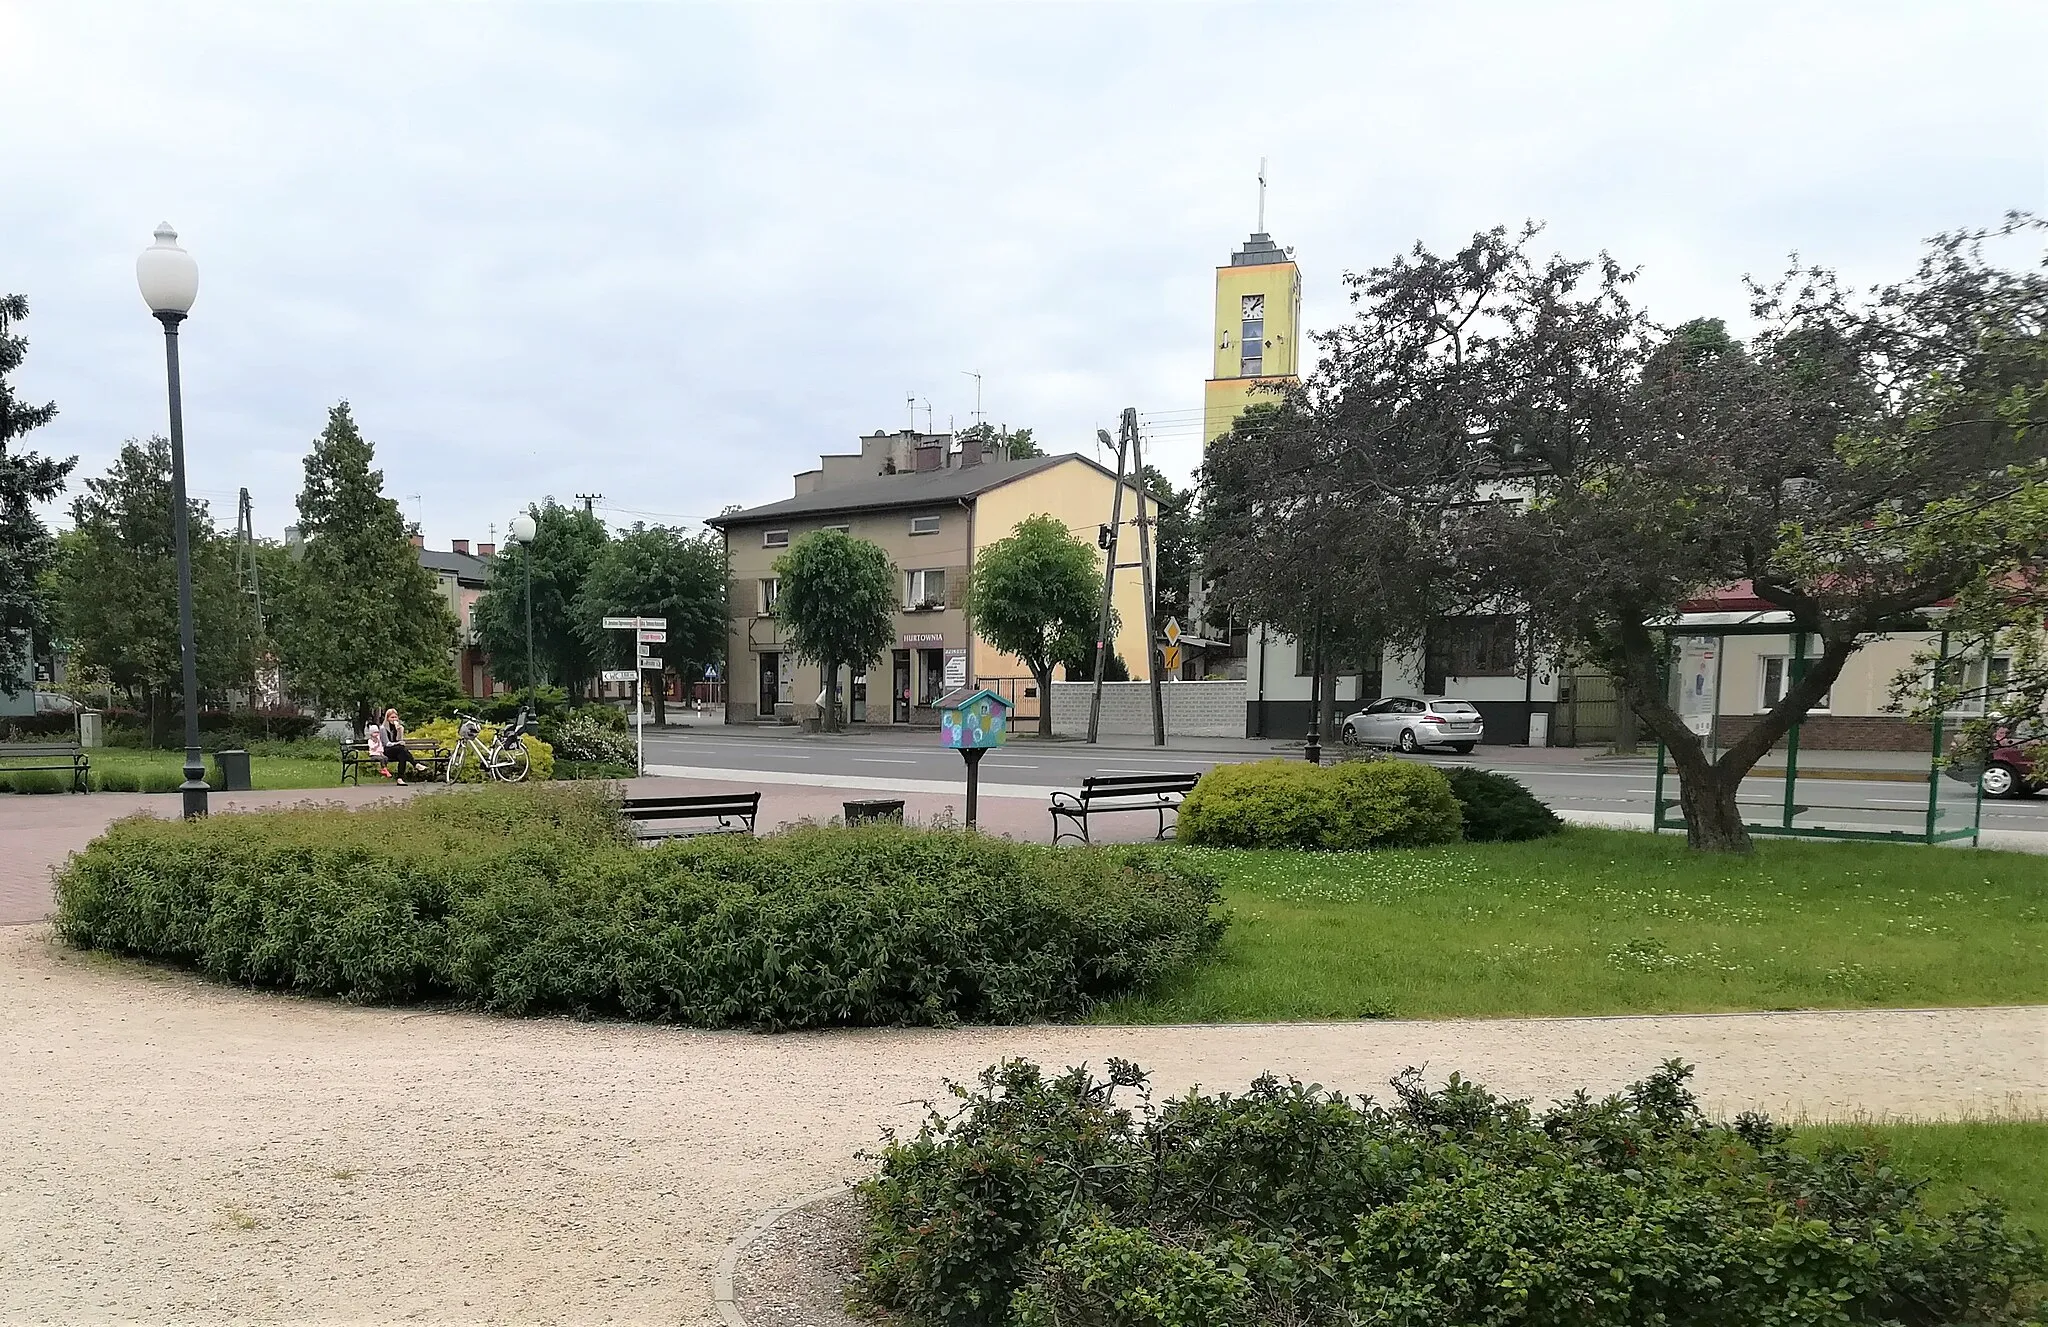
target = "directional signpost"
x: 1170, y: 656
x: 650, y: 630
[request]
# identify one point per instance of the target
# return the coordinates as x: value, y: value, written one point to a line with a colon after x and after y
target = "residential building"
x: 462, y: 577
x: 932, y: 506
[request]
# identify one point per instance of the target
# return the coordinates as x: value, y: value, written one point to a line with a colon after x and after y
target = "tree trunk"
x: 1706, y: 798
x: 1044, y: 680
x: 1327, y: 702
x: 660, y: 694
x: 831, y: 723
x: 361, y: 720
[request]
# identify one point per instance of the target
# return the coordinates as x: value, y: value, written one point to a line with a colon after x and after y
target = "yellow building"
x: 1256, y: 335
x: 932, y: 507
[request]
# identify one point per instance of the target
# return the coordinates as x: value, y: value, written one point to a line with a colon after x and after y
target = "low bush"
x: 39, y: 728
x: 117, y: 778
x: 594, y: 769
x: 1293, y: 804
x: 34, y: 781
x: 590, y: 733
x: 1494, y: 808
x: 1046, y: 1201
x: 533, y: 900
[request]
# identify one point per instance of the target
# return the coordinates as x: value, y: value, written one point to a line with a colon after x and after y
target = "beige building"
x: 931, y: 506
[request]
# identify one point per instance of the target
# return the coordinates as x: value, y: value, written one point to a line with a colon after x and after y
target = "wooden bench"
x: 63, y: 757
x: 356, y: 755
x: 1124, y: 792
x: 655, y: 818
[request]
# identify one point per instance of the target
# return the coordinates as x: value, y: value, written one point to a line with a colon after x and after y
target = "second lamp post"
x: 522, y: 535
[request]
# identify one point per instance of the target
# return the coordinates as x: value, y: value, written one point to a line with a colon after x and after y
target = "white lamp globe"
x: 168, y: 276
x: 522, y: 529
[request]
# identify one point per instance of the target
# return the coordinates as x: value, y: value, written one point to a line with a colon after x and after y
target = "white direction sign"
x: 653, y: 637
x: 619, y: 675
x: 628, y: 623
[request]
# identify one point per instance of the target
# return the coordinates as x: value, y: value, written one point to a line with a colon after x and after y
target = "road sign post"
x: 649, y: 631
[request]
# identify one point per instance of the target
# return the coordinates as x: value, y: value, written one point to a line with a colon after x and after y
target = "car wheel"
x: 1998, y: 781
x: 1462, y: 748
x: 1408, y: 742
x: 1349, y: 735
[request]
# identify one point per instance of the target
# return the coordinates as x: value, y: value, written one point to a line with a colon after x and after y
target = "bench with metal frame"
x: 655, y: 818
x: 1122, y: 792
x: 356, y: 755
x: 61, y: 757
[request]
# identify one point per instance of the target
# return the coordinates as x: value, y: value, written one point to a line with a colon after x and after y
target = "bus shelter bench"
x: 1125, y: 792
x: 355, y: 757
x: 63, y: 757
x: 656, y: 818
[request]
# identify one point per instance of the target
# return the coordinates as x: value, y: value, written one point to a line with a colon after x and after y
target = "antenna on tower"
x: 1262, y: 195
x: 977, y: 392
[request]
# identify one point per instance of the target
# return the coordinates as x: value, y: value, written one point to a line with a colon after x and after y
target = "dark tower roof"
x: 1259, y: 249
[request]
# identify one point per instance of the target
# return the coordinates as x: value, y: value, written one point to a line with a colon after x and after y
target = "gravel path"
x: 177, y: 1150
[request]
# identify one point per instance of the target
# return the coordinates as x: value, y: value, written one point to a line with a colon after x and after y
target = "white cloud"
x: 671, y: 252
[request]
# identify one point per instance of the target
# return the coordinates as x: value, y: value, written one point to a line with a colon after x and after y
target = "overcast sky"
x: 669, y: 253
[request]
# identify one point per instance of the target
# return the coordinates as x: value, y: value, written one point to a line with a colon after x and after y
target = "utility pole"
x: 977, y: 392
x: 589, y: 500
x: 1152, y: 660
x: 246, y: 577
x: 1108, y: 542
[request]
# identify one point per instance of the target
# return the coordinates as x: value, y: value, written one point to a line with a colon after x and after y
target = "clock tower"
x: 1255, y: 336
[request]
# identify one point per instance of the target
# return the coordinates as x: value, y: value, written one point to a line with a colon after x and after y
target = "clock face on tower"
x: 1254, y: 305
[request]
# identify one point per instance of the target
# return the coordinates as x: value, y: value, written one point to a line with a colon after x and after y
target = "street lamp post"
x: 522, y: 534
x: 170, y: 282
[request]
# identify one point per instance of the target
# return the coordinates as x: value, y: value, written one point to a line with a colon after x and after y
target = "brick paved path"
x: 39, y: 832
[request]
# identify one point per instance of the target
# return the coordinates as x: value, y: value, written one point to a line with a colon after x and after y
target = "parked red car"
x: 2012, y: 767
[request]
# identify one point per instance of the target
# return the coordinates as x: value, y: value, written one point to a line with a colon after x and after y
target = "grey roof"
x: 461, y: 565
x: 1257, y: 250
x: 912, y: 489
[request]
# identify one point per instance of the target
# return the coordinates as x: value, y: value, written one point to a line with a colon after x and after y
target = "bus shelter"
x: 1942, y: 810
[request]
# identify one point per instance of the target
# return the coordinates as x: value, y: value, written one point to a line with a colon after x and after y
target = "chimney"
x: 487, y: 550
x: 970, y: 452
x: 460, y: 545
x: 929, y: 456
x: 419, y: 541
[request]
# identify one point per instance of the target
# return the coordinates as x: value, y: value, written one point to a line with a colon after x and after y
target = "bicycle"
x: 505, y: 758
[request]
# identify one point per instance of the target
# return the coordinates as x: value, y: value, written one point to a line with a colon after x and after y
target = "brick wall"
x: 1844, y: 732
x: 1193, y: 709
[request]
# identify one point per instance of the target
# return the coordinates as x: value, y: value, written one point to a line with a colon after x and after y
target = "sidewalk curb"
x: 724, y: 1300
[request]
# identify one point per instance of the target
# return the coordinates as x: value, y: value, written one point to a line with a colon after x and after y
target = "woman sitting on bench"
x: 396, y: 753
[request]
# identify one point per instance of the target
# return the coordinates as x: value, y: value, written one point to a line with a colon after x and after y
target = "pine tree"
x: 26, y: 478
x: 361, y: 612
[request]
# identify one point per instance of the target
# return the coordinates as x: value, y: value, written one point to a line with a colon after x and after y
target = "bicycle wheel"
x: 452, y: 771
x: 510, y: 763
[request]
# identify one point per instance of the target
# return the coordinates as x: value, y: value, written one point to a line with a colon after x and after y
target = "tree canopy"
x: 359, y: 612
x: 837, y: 601
x: 27, y: 551
x: 1017, y: 446
x: 117, y: 586
x: 1037, y: 594
x: 659, y: 572
x: 567, y: 544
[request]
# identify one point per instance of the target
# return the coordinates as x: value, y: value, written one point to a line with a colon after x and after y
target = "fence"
x: 1193, y: 709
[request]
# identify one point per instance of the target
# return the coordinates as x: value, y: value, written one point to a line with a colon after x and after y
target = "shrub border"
x: 724, y: 1299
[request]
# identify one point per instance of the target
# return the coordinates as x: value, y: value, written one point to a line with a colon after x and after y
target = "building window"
x: 924, y: 589
x: 924, y: 525
x: 771, y: 590
x: 1774, y: 678
x: 775, y: 539
x: 1982, y: 681
x: 843, y: 529
x: 1250, y: 366
x: 1482, y: 645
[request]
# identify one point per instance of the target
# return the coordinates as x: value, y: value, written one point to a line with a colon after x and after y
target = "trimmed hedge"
x: 1048, y: 1202
x: 1293, y: 804
x: 1498, y: 809
x: 528, y: 900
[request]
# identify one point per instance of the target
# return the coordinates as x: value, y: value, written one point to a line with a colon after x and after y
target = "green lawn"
x: 2007, y: 1159
x: 1606, y: 921
x: 163, y: 770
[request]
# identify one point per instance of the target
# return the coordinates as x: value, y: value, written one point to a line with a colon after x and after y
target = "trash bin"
x: 233, y: 771
x: 858, y: 813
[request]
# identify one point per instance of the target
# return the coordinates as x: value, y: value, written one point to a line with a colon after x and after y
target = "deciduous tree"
x: 567, y: 544
x: 1037, y: 594
x: 26, y: 478
x: 359, y: 612
x: 659, y: 572
x: 838, y: 603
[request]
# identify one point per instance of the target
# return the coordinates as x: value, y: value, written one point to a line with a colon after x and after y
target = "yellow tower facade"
x: 1256, y: 336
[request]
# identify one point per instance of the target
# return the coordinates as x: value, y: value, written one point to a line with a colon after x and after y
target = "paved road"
x: 1626, y: 787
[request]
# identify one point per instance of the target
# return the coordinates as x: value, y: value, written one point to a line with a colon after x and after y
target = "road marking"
x: 880, y: 760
